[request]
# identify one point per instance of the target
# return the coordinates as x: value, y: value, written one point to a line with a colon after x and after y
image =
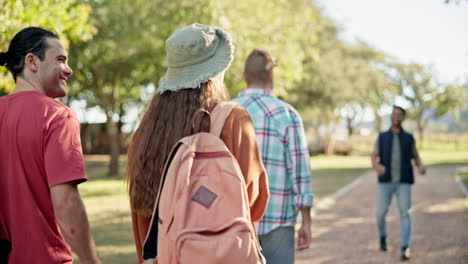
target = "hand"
x: 380, y: 169
x: 422, y: 170
x: 304, y: 236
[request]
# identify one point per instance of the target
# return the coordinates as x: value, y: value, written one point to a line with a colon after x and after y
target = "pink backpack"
x: 202, y: 212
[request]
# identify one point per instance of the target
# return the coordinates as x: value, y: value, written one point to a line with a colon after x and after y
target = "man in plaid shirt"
x: 282, y: 143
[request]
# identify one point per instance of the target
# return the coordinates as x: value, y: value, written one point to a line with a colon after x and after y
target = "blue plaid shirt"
x: 282, y: 143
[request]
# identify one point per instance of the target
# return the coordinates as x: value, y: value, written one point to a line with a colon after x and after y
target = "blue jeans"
x: 384, y: 199
x: 278, y: 245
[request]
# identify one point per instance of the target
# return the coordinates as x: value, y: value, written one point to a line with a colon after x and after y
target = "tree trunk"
x: 329, y: 150
x: 330, y: 140
x: 421, y: 133
x: 378, y: 122
x: 349, y: 124
x: 111, y: 103
x: 114, y: 144
x: 87, y: 140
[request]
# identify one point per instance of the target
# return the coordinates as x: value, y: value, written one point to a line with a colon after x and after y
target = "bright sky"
x: 423, y: 31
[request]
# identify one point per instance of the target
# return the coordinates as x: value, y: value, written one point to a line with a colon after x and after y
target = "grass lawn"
x: 108, y: 210
x: 445, y: 158
x: 330, y: 173
x: 464, y: 178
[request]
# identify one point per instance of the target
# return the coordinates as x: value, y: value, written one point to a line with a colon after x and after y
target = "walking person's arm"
x: 71, y: 216
x: 64, y: 169
x: 299, y: 169
x: 304, y: 235
x: 417, y: 159
x: 379, y: 168
x: 419, y: 164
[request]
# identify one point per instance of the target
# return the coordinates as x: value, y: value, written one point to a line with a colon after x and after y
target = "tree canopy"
x: 117, y: 51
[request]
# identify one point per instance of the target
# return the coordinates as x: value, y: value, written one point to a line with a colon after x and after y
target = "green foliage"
x: 316, y: 69
x: 131, y: 40
x: 274, y: 25
x: 129, y: 49
x: 427, y: 96
x: 452, y: 97
x: 68, y: 18
x: 127, y: 54
x: 345, y: 76
x: 318, y: 72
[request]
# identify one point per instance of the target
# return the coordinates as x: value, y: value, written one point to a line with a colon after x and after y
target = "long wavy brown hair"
x: 167, y: 119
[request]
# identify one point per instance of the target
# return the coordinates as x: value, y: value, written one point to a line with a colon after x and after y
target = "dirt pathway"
x: 347, y: 233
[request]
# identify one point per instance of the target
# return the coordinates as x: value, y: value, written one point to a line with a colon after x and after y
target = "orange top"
x: 239, y: 136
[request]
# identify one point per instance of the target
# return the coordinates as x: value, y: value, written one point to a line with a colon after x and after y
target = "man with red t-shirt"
x: 41, y: 161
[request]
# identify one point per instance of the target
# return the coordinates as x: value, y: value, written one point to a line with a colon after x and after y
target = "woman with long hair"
x: 198, y: 55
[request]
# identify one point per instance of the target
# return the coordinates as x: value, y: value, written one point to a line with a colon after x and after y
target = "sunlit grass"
x: 341, y: 162
x: 445, y: 158
x: 108, y: 209
x: 445, y: 142
x: 330, y: 173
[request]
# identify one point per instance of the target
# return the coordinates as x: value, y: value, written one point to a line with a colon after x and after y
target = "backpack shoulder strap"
x: 150, y: 246
x: 219, y: 115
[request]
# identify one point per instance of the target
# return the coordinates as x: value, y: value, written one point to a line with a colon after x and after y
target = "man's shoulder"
x: 37, y: 103
x: 272, y: 105
x: 384, y: 136
x: 407, y: 134
x: 384, y: 133
x: 287, y: 109
x: 54, y: 107
x: 270, y: 102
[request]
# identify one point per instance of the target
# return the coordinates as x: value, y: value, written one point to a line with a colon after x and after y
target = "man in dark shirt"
x: 391, y: 158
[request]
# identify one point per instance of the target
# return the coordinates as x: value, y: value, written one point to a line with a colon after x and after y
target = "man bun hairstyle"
x: 29, y: 40
x: 258, y: 66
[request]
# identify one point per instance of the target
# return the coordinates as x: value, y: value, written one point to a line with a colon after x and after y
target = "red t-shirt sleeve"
x: 63, y: 153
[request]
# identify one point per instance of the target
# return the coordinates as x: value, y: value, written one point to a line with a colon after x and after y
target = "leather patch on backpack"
x: 204, y: 196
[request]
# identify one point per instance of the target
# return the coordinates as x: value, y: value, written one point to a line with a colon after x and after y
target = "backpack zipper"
x: 208, y: 232
x: 210, y: 155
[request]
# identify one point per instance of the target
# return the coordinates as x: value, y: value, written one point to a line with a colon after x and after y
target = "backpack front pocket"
x: 231, y: 244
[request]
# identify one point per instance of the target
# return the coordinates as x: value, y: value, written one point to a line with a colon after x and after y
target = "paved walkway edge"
x: 462, y: 186
x: 330, y: 200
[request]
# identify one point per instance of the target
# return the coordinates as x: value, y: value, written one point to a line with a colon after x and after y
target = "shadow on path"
x: 347, y: 233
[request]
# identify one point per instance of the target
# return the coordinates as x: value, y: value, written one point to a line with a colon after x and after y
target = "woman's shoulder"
x: 238, y: 115
x: 238, y: 121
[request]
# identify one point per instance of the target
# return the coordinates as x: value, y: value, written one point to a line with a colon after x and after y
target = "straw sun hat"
x: 195, y: 54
